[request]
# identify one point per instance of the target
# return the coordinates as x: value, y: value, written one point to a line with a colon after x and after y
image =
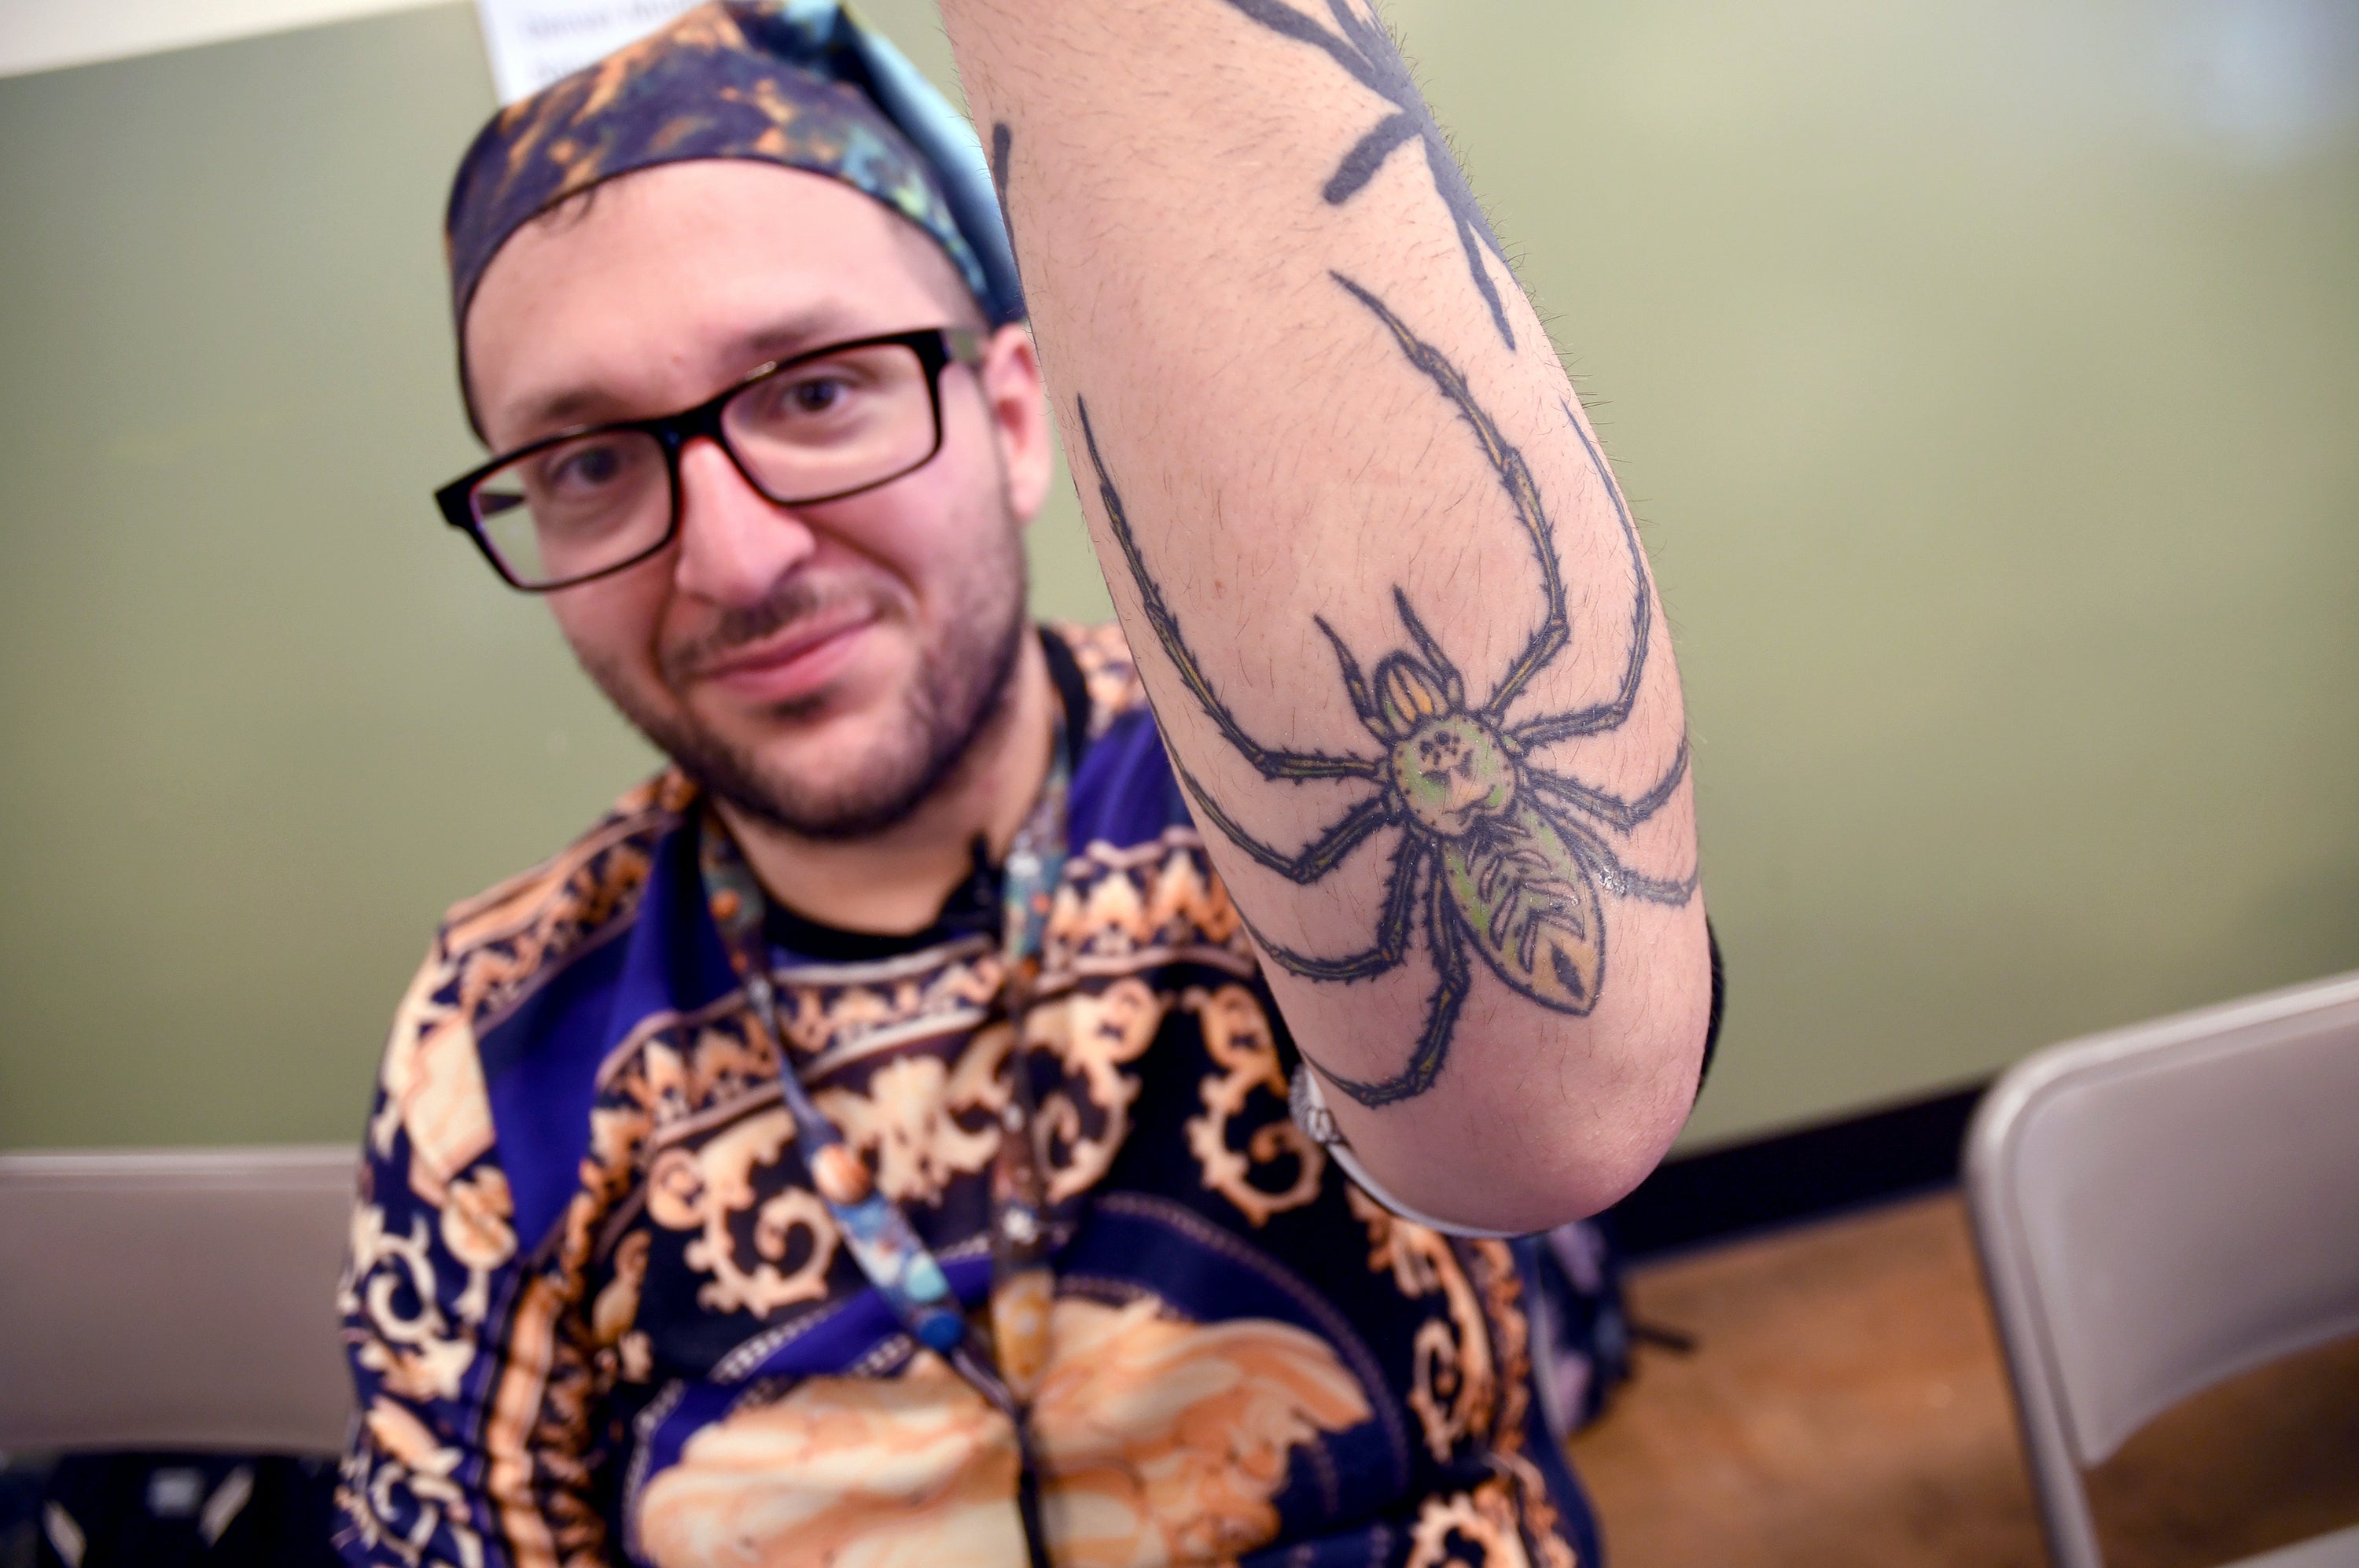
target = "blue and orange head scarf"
x: 800, y: 84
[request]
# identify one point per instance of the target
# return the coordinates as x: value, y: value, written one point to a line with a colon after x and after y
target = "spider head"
x: 1451, y: 769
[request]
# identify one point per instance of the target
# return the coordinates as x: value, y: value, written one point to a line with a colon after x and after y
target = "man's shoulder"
x: 539, y: 915
x: 492, y: 956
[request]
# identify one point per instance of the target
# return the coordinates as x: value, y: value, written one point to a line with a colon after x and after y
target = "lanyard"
x: 1006, y: 1367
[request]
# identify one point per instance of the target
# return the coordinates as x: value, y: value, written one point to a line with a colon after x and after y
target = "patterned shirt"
x: 597, y: 1313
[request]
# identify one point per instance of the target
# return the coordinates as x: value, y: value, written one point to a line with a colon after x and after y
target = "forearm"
x: 1393, y: 614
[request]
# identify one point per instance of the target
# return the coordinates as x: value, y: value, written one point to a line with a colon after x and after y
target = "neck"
x: 894, y: 883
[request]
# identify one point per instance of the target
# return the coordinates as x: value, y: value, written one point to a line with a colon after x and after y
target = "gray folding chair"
x: 2160, y: 1208
x: 174, y: 1299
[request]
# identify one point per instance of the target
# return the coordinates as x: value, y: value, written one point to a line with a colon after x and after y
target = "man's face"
x: 821, y: 668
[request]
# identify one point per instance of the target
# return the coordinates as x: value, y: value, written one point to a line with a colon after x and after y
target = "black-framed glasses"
x: 819, y: 427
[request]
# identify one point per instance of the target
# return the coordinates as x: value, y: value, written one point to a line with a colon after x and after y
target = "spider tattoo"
x: 1495, y: 852
x: 1366, y: 50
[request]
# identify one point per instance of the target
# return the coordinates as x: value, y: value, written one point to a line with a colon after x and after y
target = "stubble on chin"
x: 950, y: 702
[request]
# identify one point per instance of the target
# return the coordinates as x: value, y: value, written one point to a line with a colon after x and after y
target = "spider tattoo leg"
x: 1514, y: 476
x: 1452, y: 977
x: 1367, y: 156
x: 1450, y: 181
x: 1392, y: 932
x: 1268, y: 761
x: 1003, y: 142
x: 1355, y: 684
x: 1612, y: 810
x: 1606, y: 714
x: 1453, y: 685
x: 1287, y: 21
x: 1368, y: 53
x: 1616, y: 877
x: 1307, y: 865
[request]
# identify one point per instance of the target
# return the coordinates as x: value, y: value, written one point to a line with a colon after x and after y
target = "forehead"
x: 664, y: 284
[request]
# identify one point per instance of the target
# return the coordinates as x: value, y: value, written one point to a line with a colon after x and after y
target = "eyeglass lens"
x: 811, y: 431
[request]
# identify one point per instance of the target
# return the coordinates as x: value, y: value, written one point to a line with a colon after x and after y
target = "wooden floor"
x: 1846, y: 1407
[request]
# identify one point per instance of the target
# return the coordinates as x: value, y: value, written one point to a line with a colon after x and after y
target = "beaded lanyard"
x: 1005, y: 1365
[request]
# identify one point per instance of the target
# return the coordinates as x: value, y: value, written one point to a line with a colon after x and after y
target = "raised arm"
x: 1390, y: 605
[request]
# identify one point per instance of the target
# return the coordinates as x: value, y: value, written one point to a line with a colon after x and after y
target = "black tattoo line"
x: 1003, y: 142
x: 1367, y: 50
x: 1509, y: 861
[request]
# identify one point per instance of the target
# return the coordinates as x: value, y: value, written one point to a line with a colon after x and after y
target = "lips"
x: 793, y: 664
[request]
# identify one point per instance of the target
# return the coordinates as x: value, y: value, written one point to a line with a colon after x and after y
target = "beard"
x: 950, y: 703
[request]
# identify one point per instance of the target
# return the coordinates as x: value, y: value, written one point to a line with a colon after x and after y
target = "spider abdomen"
x: 1530, y: 906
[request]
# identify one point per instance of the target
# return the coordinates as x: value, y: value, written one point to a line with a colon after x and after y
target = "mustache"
x: 795, y: 601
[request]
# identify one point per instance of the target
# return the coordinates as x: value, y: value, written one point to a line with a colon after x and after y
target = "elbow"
x: 1540, y: 1149
x: 1539, y: 1119
x: 1576, y: 1166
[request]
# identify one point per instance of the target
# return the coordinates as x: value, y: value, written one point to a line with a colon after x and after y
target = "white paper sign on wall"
x: 534, y: 42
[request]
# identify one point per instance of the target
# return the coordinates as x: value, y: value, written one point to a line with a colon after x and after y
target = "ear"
x: 1012, y: 390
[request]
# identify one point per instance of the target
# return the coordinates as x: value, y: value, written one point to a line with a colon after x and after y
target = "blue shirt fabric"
x: 596, y: 1313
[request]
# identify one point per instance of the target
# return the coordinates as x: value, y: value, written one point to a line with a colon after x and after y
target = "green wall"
x: 1987, y: 375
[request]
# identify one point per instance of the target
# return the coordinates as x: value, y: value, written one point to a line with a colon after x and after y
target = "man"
x: 882, y: 1140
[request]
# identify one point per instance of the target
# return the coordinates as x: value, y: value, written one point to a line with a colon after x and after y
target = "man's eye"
x: 583, y: 470
x: 815, y: 395
x: 589, y: 469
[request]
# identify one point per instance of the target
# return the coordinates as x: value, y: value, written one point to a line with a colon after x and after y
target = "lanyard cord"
x: 1006, y: 1367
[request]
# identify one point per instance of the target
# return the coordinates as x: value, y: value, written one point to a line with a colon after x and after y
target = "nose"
x: 736, y: 543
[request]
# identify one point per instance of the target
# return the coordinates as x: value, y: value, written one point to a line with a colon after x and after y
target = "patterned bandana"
x: 800, y: 84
